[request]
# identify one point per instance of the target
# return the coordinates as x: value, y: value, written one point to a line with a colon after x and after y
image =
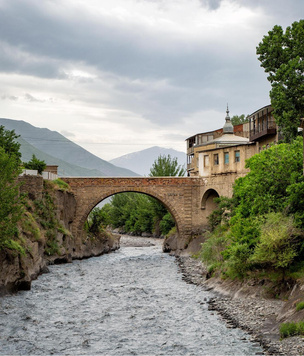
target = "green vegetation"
x: 300, y: 306
x: 239, y: 119
x: 261, y: 227
x: 165, y: 166
x: 11, y: 201
x: 137, y: 213
x: 281, y: 56
x: 60, y: 184
x: 35, y: 164
x: 291, y: 329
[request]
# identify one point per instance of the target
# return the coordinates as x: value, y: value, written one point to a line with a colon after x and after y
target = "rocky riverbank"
x: 45, y: 236
x: 243, y: 307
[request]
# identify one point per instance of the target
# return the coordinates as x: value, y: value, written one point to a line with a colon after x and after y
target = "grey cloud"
x: 32, y: 99
x: 9, y: 97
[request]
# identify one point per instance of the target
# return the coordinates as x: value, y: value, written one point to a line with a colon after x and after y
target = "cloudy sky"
x: 119, y: 76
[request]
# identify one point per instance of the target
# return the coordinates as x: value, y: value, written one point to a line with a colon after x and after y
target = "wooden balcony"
x: 256, y: 134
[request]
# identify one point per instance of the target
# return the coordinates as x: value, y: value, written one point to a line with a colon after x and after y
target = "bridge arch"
x: 105, y: 195
x: 180, y: 195
x: 208, y: 204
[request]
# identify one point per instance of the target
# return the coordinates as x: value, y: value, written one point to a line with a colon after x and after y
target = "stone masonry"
x: 182, y: 196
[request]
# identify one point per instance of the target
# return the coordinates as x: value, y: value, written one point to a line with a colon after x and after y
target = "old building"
x: 221, y: 154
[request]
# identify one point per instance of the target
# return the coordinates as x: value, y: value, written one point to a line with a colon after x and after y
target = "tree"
x: 36, y: 164
x: 8, y: 142
x: 165, y: 166
x: 281, y: 55
x: 239, y: 119
x: 10, y: 207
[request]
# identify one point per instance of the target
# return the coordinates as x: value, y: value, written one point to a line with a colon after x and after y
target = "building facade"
x: 221, y: 154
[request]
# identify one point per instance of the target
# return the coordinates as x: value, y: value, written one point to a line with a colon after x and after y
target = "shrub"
x: 300, y: 306
x: 291, y: 329
x: 279, y: 242
x: 61, y: 184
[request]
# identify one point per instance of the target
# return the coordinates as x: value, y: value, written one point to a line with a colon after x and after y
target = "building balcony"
x: 256, y: 134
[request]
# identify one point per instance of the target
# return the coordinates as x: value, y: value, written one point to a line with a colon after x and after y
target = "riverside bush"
x: 291, y: 329
x: 300, y: 306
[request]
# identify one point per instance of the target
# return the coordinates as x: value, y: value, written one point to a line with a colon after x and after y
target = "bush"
x: 279, y: 242
x: 300, y: 306
x: 61, y: 184
x: 291, y: 329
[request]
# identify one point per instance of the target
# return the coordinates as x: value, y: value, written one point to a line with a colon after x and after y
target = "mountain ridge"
x: 42, y: 139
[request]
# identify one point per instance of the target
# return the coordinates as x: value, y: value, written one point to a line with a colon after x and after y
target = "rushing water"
x: 131, y: 302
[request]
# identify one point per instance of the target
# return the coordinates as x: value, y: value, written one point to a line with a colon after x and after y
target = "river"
x: 130, y: 302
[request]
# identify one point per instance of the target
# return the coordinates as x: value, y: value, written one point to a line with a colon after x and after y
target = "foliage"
x: 239, y: 119
x: 291, y: 329
x: 222, y: 213
x: 36, y: 164
x: 96, y: 220
x: 10, y: 207
x: 300, y: 306
x: 279, y: 242
x: 61, y: 184
x: 45, y: 215
x: 272, y: 171
x: 281, y: 55
x: 166, y: 223
x: 165, y: 166
x: 9, y: 144
x: 260, y: 224
x: 213, y: 247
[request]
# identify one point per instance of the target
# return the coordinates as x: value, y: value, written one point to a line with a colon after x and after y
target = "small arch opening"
x: 208, y: 204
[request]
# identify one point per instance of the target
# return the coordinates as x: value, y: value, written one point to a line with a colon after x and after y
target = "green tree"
x: 239, y: 119
x: 8, y: 142
x: 36, y: 164
x: 165, y: 166
x: 281, y: 55
x: 10, y: 207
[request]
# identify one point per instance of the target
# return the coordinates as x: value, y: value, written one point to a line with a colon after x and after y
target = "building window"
x: 226, y: 157
x: 216, y: 159
x: 206, y: 161
x: 237, y: 156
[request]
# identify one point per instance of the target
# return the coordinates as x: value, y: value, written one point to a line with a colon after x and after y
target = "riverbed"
x: 131, y: 302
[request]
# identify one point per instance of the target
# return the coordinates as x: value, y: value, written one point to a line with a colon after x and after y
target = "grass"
x: 291, y: 329
x: 300, y: 306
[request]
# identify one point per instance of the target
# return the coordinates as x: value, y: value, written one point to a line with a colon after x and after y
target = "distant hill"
x: 64, y: 168
x: 54, y: 148
x: 141, y: 161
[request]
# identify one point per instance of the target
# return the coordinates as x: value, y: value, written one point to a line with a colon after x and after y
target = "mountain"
x: 141, y: 161
x: 64, y: 168
x: 54, y: 148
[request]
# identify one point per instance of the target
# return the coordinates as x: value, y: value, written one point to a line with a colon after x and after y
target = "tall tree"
x: 165, y: 166
x: 10, y: 207
x: 282, y: 57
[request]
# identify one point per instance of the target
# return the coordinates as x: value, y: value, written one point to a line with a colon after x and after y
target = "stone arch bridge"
x: 189, y: 199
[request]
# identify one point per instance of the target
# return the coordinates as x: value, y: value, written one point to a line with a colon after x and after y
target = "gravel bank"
x: 255, y: 315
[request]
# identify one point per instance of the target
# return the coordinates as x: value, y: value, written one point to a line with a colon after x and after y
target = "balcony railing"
x: 263, y: 130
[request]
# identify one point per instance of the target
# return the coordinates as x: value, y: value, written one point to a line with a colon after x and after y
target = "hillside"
x: 64, y: 168
x: 59, y: 150
x: 141, y: 161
